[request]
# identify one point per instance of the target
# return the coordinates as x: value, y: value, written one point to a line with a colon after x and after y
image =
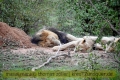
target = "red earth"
x: 10, y: 34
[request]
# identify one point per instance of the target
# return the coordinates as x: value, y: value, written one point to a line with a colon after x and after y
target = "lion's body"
x: 82, y: 44
x: 52, y: 37
x: 110, y: 43
x: 61, y: 35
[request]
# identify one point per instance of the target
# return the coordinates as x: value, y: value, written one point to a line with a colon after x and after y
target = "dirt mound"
x: 11, y: 36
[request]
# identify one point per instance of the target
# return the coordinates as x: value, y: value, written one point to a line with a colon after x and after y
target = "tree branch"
x: 111, y: 26
x: 33, y: 69
x: 56, y: 55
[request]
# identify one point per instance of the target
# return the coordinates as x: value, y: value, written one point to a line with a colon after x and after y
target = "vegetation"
x: 77, y: 17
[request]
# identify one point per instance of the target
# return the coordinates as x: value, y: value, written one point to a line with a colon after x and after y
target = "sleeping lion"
x: 52, y: 37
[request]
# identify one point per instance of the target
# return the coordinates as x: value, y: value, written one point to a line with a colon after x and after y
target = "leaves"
x: 77, y: 17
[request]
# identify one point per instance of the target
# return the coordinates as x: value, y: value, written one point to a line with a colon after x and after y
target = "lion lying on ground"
x: 87, y: 43
x: 110, y: 43
x: 83, y: 44
x: 45, y: 38
x: 53, y: 38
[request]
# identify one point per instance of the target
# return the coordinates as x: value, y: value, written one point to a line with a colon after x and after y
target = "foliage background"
x: 78, y: 17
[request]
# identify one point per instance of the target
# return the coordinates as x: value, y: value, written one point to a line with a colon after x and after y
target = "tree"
x: 24, y: 14
x: 82, y: 17
x: 78, y: 17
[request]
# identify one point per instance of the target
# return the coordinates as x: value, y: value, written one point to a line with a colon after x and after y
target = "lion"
x: 83, y: 44
x: 107, y: 43
x: 52, y: 37
x: 64, y: 37
x: 46, y: 38
x: 110, y: 43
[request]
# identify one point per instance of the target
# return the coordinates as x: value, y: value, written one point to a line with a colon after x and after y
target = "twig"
x: 56, y: 55
x: 33, y: 69
x: 52, y: 57
x: 108, y: 47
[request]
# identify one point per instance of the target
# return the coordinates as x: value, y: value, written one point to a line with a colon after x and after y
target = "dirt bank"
x: 14, y: 36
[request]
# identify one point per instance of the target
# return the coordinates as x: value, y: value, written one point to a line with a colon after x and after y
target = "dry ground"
x: 25, y: 59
